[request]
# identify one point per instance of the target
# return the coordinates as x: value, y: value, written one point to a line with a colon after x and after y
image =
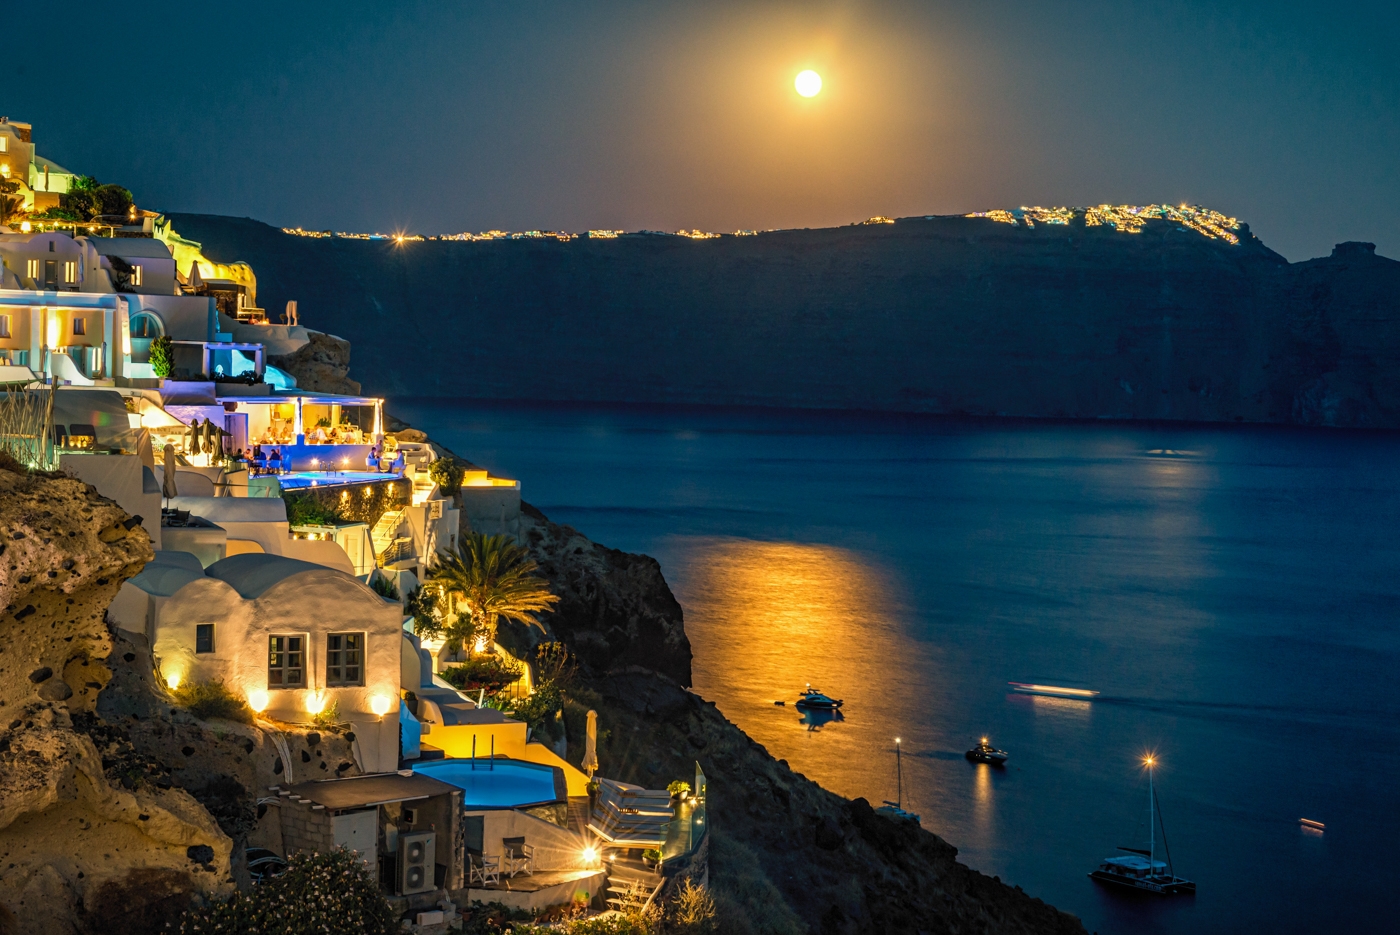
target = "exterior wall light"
x: 590, y: 855
x: 172, y: 681
x: 258, y: 700
x: 380, y: 704
x: 315, y: 702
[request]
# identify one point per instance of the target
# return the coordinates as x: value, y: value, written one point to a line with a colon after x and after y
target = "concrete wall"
x: 304, y: 828
x: 556, y: 848
x: 492, y: 510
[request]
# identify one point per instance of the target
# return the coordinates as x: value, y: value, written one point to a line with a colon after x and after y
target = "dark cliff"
x: 943, y: 315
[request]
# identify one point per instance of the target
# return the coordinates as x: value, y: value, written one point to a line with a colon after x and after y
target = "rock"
x: 73, y: 831
x: 321, y: 365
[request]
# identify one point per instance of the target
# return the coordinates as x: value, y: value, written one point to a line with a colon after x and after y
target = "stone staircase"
x: 386, y: 539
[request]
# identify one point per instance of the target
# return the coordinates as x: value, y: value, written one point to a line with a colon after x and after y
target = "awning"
x: 367, y: 791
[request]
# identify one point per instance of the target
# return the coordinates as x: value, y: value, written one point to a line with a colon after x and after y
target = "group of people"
x: 260, y: 462
x: 378, y: 461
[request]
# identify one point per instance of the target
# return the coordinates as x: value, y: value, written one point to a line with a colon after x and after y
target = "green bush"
x: 487, y: 671
x: 678, y: 786
x: 447, y: 474
x: 211, y: 699
x: 162, y: 356
x: 305, y: 510
x: 384, y: 587
x: 540, y: 708
x: 329, y: 894
x: 422, y: 605
x: 327, y: 717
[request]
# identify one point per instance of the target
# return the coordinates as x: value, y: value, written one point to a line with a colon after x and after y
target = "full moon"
x: 808, y: 83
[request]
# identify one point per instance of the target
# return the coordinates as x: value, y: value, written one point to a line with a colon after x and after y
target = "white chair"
x: 484, y: 870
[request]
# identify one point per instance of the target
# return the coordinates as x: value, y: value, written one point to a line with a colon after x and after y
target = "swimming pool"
x: 297, y: 480
x: 499, y: 783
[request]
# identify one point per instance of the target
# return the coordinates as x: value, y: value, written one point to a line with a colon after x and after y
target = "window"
x: 204, y: 638
x: 31, y: 269
x: 4, y: 320
x: 4, y: 143
x: 144, y: 325
x: 345, y: 657
x: 79, y: 326
x: 136, y: 274
x: 70, y: 271
x: 286, y: 662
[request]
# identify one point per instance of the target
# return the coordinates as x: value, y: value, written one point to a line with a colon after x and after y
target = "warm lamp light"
x: 590, y: 854
x: 25, y: 227
x: 172, y: 681
x: 315, y: 703
x: 5, y: 169
x: 379, y: 704
x: 480, y: 645
x: 258, y: 700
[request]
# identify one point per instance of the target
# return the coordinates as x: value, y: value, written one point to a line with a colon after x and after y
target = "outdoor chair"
x: 484, y: 870
x: 518, y: 856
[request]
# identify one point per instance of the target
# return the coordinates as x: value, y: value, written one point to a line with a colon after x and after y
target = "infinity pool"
x: 297, y: 480
x: 498, y: 783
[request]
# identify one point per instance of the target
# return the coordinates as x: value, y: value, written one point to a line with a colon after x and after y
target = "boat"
x: 984, y: 752
x: 1141, y: 870
x: 811, y: 698
x: 896, y: 809
x: 1053, y: 691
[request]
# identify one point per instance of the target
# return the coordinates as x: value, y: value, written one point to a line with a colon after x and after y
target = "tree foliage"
x: 329, y: 894
x: 492, y: 577
x: 162, y: 356
x: 447, y: 473
x: 88, y: 198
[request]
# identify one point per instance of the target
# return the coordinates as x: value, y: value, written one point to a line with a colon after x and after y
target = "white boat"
x: 811, y: 698
x: 1141, y: 870
x: 1053, y: 691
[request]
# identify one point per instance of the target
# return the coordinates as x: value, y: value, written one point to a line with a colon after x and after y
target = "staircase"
x: 632, y: 885
x: 385, y: 536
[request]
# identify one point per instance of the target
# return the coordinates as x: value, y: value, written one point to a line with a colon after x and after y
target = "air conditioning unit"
x: 417, y: 861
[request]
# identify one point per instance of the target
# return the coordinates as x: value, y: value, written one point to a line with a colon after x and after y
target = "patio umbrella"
x: 211, y: 436
x: 590, y: 749
x: 167, y: 483
x: 192, y: 439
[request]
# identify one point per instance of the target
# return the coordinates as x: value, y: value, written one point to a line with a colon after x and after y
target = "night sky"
x: 443, y: 117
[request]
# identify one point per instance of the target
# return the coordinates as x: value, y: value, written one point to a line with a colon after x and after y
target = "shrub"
x: 423, y: 605
x: 211, y: 699
x: 327, y: 717
x: 384, y: 587
x: 490, y: 672
x: 305, y: 510
x: 539, y: 709
x: 331, y: 894
x: 162, y: 356
x: 678, y: 786
x: 693, y: 912
x: 447, y: 474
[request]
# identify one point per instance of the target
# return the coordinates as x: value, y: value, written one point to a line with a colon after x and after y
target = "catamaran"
x: 1139, y: 869
x: 896, y: 809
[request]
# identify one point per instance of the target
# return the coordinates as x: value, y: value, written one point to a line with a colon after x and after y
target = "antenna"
x: 899, y: 776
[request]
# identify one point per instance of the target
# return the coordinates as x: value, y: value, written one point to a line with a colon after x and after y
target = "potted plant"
x: 680, y: 790
x: 651, y: 857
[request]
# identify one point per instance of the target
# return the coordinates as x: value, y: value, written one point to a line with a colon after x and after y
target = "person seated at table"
x: 372, y: 459
x: 397, y: 465
x: 258, y: 458
x: 318, y: 437
x: 274, y: 461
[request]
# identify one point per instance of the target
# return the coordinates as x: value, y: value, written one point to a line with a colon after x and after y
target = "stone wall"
x: 305, y: 828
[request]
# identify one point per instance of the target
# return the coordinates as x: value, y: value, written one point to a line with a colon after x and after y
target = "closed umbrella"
x: 192, y: 438
x: 590, y: 747
x: 167, y: 483
x: 211, y: 437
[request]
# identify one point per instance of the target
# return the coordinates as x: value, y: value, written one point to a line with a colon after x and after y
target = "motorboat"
x: 896, y: 809
x: 1141, y: 870
x: 984, y: 752
x: 811, y: 698
x: 1053, y: 691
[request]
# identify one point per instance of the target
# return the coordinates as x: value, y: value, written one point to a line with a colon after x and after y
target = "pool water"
x: 297, y: 480
x: 496, y: 783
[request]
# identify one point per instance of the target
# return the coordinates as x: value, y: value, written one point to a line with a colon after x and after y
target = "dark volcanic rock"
x: 942, y: 315
x: 322, y: 365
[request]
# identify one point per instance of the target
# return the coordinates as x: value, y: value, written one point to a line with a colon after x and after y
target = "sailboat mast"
x: 1151, y: 822
x: 898, y: 776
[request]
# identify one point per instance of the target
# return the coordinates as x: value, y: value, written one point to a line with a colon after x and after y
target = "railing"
x: 399, y: 550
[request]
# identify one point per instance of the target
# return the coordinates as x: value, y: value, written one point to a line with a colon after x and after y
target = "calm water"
x: 1232, y: 593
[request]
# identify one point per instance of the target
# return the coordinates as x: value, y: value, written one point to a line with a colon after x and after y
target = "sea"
x: 1231, y: 592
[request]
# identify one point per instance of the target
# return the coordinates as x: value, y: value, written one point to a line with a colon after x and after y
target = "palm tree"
x: 494, y: 578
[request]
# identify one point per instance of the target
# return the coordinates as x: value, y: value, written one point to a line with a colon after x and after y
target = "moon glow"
x: 808, y: 83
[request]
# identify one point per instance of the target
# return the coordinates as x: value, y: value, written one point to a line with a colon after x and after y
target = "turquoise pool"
x: 499, y: 783
x: 297, y: 480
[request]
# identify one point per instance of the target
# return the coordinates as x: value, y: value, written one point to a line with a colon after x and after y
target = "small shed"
x: 405, y: 826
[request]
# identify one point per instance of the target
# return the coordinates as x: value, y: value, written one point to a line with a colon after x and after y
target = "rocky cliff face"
x: 80, y: 851
x: 322, y: 365
x: 939, y: 315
